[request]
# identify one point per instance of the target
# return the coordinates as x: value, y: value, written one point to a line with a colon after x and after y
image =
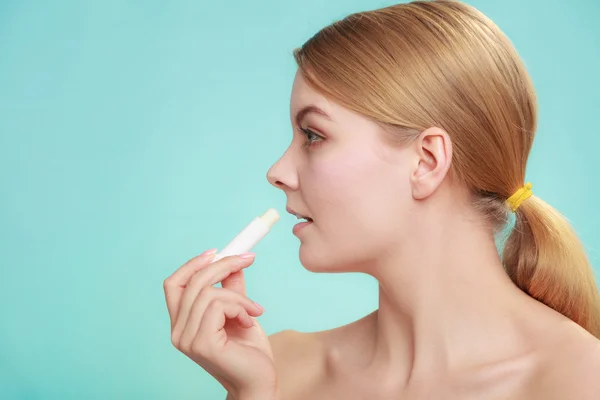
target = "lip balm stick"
x: 250, y: 235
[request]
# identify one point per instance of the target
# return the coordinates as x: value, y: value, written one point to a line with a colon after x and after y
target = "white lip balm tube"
x: 250, y: 235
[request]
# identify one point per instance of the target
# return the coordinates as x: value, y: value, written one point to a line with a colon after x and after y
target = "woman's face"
x: 344, y: 176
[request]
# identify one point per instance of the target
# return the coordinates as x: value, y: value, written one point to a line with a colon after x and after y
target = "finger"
x: 175, y: 284
x: 185, y: 272
x: 206, y: 277
x: 235, y: 282
x: 211, y: 332
x: 201, y: 303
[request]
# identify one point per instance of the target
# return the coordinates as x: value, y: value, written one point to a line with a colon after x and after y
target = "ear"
x: 434, y: 156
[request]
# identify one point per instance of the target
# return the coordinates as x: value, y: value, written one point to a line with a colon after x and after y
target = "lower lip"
x: 298, y: 227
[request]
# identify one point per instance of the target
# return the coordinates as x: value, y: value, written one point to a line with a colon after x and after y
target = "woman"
x: 414, y: 123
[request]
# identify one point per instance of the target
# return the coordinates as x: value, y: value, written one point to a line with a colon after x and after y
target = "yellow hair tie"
x: 519, y: 197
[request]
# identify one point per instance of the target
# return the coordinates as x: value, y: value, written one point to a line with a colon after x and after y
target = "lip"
x: 293, y: 212
x: 299, y: 226
x: 289, y: 210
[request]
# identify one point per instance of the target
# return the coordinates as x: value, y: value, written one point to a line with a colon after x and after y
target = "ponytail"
x: 544, y: 257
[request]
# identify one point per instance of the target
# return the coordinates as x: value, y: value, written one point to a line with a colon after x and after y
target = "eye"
x: 312, y: 139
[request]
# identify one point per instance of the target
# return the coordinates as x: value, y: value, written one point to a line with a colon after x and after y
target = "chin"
x: 311, y: 261
x: 323, y: 261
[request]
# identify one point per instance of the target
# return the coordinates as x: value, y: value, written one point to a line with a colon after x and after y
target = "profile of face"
x: 358, y: 189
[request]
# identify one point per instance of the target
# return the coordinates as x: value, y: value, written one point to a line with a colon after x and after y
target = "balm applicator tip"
x: 270, y: 217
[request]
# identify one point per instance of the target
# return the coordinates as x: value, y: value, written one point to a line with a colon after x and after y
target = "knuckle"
x: 185, y: 346
x: 176, y: 339
x: 215, y: 304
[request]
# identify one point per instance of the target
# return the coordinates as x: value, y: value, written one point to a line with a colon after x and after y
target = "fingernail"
x: 247, y: 255
x: 261, y: 308
x: 209, y: 252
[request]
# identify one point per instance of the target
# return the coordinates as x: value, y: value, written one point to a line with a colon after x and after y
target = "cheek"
x: 356, y: 200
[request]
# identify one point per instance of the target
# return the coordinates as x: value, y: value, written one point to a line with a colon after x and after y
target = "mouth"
x: 298, y: 215
x: 307, y: 219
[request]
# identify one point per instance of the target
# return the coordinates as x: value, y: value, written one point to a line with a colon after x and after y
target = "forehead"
x: 303, y: 95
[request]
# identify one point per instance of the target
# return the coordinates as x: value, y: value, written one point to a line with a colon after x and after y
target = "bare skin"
x: 450, y: 323
x: 333, y: 365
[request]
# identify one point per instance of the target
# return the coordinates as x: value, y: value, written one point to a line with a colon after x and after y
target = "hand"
x: 216, y: 328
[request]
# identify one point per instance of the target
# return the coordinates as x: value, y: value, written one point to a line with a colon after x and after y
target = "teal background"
x: 135, y: 135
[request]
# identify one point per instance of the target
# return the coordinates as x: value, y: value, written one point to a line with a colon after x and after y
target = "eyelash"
x: 311, y: 143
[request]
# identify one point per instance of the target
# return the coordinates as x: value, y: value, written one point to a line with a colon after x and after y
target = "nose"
x: 282, y: 174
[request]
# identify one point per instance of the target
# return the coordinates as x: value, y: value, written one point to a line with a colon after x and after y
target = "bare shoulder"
x: 290, y: 345
x: 298, y: 361
x: 571, y: 369
x: 305, y: 361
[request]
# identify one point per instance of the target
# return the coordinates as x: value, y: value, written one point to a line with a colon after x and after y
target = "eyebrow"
x: 310, y: 109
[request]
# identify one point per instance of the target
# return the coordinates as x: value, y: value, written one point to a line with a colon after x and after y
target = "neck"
x: 446, y: 304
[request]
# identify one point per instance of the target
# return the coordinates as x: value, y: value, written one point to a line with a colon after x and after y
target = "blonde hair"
x: 443, y: 63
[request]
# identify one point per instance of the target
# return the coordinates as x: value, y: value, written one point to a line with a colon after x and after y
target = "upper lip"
x: 297, y: 214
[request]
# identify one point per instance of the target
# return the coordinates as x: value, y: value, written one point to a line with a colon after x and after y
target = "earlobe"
x: 434, y: 156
